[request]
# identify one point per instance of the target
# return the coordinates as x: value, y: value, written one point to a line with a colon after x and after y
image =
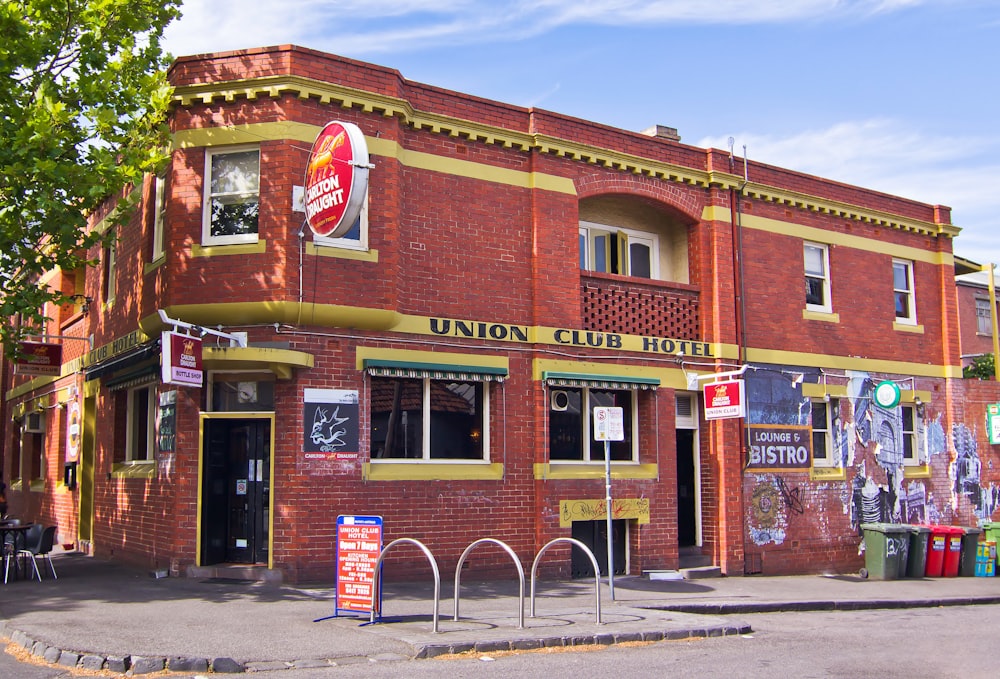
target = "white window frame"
x: 828, y: 429
x: 111, y: 269
x: 587, y: 435
x: 914, y: 438
x: 361, y: 243
x: 133, y: 456
x: 425, y: 431
x: 159, y: 214
x: 206, y: 220
x: 823, y: 276
x: 590, y: 232
x: 984, y: 318
x: 911, y: 318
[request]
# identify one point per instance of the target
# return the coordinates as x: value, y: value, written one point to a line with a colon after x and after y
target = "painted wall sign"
x: 39, y: 359
x: 724, y: 400
x: 181, y: 359
x: 596, y: 510
x: 779, y: 448
x: 336, y: 179
x: 359, y: 542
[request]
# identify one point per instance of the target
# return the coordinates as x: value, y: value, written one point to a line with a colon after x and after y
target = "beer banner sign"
x: 724, y: 400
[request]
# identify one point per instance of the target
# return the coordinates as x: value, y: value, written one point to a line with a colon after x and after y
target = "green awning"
x: 556, y: 379
x: 434, y: 371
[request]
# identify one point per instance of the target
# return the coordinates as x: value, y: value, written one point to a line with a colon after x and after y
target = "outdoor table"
x: 17, y: 533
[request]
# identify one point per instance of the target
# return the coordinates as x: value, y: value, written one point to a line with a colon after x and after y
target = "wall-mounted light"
x: 84, y: 301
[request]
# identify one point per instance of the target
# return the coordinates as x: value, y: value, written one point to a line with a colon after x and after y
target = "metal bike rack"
x: 434, y: 567
x: 520, y: 574
x: 593, y: 560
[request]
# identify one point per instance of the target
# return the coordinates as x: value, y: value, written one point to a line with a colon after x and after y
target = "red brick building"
x: 438, y: 365
x: 975, y: 318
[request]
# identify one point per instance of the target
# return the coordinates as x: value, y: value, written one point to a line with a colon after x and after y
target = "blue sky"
x: 898, y: 96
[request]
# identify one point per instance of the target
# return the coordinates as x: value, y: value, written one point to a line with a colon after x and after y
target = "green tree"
x: 83, y: 98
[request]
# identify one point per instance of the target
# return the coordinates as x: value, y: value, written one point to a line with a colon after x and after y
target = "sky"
x: 899, y: 96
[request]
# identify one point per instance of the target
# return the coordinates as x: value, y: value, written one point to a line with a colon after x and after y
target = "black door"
x: 235, y: 491
x: 594, y: 534
x: 687, y: 517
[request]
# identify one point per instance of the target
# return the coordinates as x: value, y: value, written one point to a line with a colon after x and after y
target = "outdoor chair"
x: 41, y: 547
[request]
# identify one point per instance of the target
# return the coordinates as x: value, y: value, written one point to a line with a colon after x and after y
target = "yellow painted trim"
x: 432, y: 471
x: 289, y: 313
x: 257, y: 248
x: 17, y: 484
x: 281, y: 362
x: 824, y: 316
x: 717, y: 213
x: 872, y: 365
x: 134, y: 470
x: 906, y: 327
x: 149, y: 267
x: 922, y: 471
x: 37, y: 486
x: 910, y: 396
x: 819, y: 390
x: 370, y: 102
x: 341, y: 253
x: 437, y: 357
x: 554, y: 471
x: 827, y: 474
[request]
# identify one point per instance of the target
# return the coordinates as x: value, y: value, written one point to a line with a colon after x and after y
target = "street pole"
x: 611, y: 540
x: 993, y: 315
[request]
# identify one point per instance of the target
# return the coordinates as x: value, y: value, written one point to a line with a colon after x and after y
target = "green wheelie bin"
x: 916, y: 560
x: 886, y: 548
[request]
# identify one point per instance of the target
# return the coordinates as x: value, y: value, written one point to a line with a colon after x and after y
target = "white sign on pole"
x: 609, y: 424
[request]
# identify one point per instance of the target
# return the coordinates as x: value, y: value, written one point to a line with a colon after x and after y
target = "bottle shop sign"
x: 336, y: 179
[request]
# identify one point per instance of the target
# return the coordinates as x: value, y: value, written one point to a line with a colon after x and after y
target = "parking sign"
x: 609, y: 424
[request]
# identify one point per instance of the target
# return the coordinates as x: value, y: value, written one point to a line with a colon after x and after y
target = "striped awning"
x: 434, y: 371
x: 556, y: 379
x: 135, y: 378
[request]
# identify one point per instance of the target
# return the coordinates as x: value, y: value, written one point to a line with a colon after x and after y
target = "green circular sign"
x: 887, y: 394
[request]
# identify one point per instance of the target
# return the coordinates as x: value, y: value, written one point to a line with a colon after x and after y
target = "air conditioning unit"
x: 559, y: 400
x: 34, y: 423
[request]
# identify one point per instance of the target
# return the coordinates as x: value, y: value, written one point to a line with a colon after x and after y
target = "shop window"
x: 159, y: 215
x: 824, y: 420
x: 984, y: 321
x: 817, y: 270
x: 232, y: 196
x: 425, y: 418
x: 32, y: 447
x: 902, y: 287
x: 571, y: 423
x: 140, y: 416
x: 355, y: 239
x: 607, y: 249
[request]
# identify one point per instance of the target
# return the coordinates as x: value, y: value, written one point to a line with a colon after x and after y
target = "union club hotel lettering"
x: 567, y: 337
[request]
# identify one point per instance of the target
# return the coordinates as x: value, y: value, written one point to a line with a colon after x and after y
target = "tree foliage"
x: 83, y: 97
x: 982, y: 368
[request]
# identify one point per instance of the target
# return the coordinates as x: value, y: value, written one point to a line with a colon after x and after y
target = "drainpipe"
x: 993, y: 315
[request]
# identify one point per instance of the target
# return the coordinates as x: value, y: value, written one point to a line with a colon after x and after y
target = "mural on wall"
x: 767, y: 520
x: 965, y: 473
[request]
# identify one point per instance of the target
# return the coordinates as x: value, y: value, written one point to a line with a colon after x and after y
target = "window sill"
x: 816, y: 315
x: 915, y: 471
x: 901, y: 326
x: 432, y: 471
x: 827, y: 474
x: 155, y: 264
x: 134, y: 470
x: 257, y: 248
x: 595, y: 470
x: 323, y: 250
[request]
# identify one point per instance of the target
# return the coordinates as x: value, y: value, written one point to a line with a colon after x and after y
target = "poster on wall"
x: 330, y: 424
x: 993, y: 422
x: 779, y: 448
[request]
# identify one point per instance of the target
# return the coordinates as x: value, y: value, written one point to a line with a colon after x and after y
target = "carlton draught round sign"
x: 336, y: 179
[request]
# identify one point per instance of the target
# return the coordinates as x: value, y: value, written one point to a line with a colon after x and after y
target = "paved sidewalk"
x: 101, y: 615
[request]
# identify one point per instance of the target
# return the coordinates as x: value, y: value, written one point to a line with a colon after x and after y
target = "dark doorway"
x: 594, y: 534
x: 687, y: 496
x: 235, y: 491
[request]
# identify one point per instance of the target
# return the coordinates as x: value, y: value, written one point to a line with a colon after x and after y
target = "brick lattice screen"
x: 636, y: 309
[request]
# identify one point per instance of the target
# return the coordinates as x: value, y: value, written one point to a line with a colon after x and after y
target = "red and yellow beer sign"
x: 336, y: 179
x: 724, y: 400
x: 37, y: 358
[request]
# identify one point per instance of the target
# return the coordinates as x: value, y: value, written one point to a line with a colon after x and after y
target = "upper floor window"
x: 911, y: 440
x: 902, y: 287
x: 109, y: 272
x: 984, y: 321
x: 817, y: 269
x: 232, y: 196
x: 824, y: 426
x: 355, y: 239
x: 159, y: 212
x: 621, y: 251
